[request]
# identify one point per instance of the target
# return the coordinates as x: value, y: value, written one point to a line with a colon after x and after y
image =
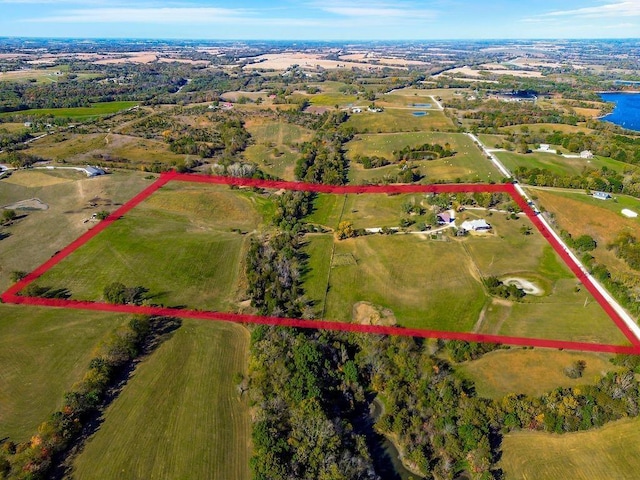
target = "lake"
x: 627, y: 111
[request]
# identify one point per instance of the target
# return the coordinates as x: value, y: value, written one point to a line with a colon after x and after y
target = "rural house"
x: 475, y: 225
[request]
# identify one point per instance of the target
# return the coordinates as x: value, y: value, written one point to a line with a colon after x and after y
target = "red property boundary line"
x: 11, y: 295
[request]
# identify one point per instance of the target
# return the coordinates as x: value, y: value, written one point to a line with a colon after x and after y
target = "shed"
x: 93, y: 171
x: 602, y: 195
x: 475, y: 225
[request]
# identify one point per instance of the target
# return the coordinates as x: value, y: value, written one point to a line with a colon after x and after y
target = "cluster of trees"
x: 273, y: 269
x: 428, y: 151
x: 626, y: 247
x: 433, y: 416
x: 480, y: 199
x: 372, y: 161
x: 604, y: 143
x: 323, y: 159
x: 604, y: 180
x: 227, y: 138
x: 625, y: 294
x: 496, y: 114
x: 305, y: 391
x: 500, y: 289
x: 20, y: 159
x: 119, y: 293
x: 35, y: 458
x: 9, y: 140
x: 571, y: 409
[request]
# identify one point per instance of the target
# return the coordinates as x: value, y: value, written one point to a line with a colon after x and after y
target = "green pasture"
x: 43, y: 352
x: 398, y: 120
x: 331, y: 99
x: 390, y: 272
x: 557, y: 164
x: 531, y: 371
x: 182, y: 244
x: 606, y: 452
x: 180, y: 415
x: 79, y: 113
x: 468, y: 164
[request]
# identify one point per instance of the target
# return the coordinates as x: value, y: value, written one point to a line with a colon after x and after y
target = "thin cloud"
x: 618, y: 9
x: 367, y: 10
x: 147, y: 15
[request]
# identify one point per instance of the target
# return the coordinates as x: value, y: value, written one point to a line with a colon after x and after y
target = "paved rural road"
x: 628, y: 320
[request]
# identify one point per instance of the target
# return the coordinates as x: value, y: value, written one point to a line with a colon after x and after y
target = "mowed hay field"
x: 557, y: 164
x: 467, y: 165
x: 274, y: 149
x: 427, y: 284
x: 562, y: 312
x: 531, y: 371
x: 43, y: 352
x: 180, y: 415
x: 179, y: 244
x: 40, y: 233
x: 398, y: 120
x: 609, y: 452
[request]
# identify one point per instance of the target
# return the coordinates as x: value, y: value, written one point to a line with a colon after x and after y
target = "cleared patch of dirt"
x: 527, y: 286
x: 29, y: 204
x: 366, y: 313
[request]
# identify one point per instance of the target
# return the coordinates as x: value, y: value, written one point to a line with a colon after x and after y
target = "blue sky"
x: 322, y: 19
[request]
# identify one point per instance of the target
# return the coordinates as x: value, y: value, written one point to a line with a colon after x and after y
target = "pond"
x: 627, y: 111
x: 421, y: 105
x: 419, y: 114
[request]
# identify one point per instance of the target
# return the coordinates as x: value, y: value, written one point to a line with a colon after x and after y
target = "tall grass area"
x: 531, y: 371
x: 43, y: 352
x: 273, y: 148
x: 182, y: 244
x: 608, y: 452
x: 180, y: 415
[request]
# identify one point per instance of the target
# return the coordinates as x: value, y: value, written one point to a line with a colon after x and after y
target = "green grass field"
x: 78, y: 113
x: 43, y: 352
x: 273, y: 149
x: 467, y: 165
x: 398, y: 120
x: 178, y: 244
x: 180, y: 415
x: 531, y: 371
x: 556, y: 163
x: 40, y: 233
x: 608, y: 452
x: 389, y: 271
x: 561, y: 313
